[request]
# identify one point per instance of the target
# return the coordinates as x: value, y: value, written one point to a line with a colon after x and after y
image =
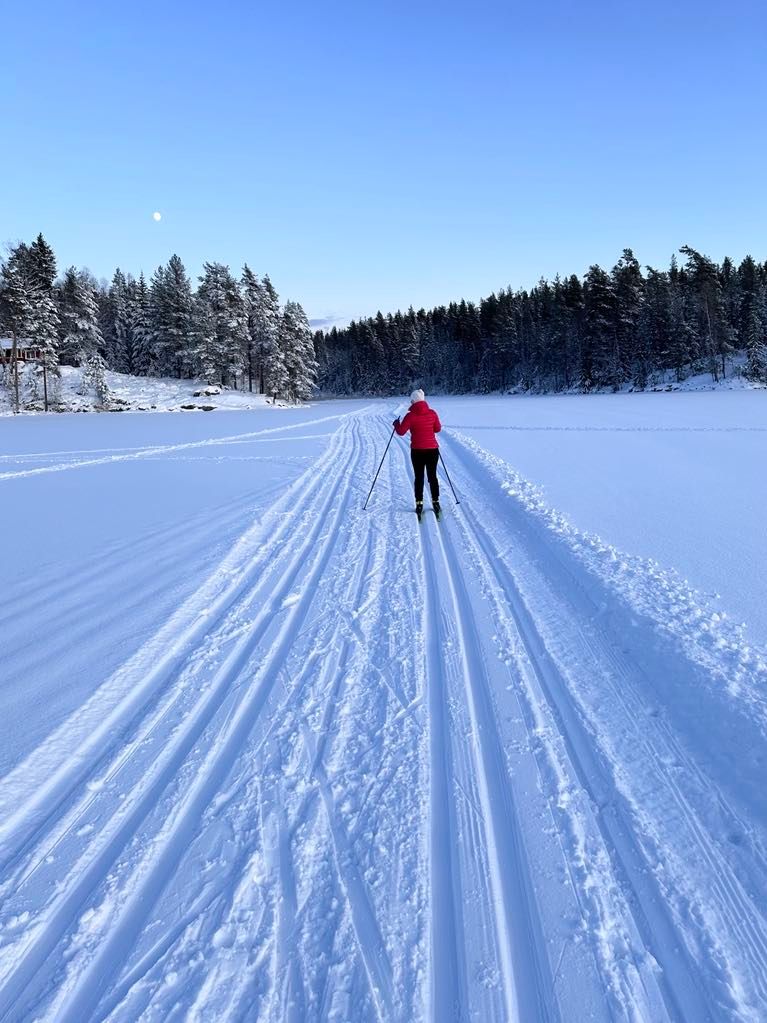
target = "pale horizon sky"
x: 376, y: 156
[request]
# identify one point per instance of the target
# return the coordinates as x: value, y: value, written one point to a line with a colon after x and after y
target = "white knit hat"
x: 417, y: 395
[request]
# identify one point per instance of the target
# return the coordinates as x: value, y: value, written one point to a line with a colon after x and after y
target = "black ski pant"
x: 425, y: 458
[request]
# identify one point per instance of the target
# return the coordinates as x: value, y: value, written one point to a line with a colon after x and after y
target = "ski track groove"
x: 117, y: 943
x: 489, y: 569
x: 284, y: 718
x: 220, y: 723
x: 22, y: 972
x: 165, y: 449
x: 527, y: 981
x: 25, y: 821
x: 682, y: 982
x: 368, y: 935
x: 447, y: 981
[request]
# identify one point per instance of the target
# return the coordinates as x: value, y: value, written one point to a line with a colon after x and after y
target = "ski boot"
x: 419, y: 509
x: 437, y: 509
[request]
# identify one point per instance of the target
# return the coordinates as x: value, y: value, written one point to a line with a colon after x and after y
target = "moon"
x: 157, y: 215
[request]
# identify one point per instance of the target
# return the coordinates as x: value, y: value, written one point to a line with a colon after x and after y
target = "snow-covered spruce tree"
x: 600, y: 361
x: 42, y: 263
x: 172, y: 319
x: 78, y: 314
x: 505, y: 343
x: 94, y: 377
x: 221, y: 334
x: 262, y: 312
x: 139, y: 327
x: 37, y: 264
x: 683, y: 345
x: 250, y: 288
x: 408, y: 349
x: 370, y: 363
x: 115, y: 325
x: 267, y: 318
x: 756, y: 337
x: 628, y: 289
x: 712, y: 332
x: 45, y: 331
x: 429, y: 355
x: 732, y: 299
x: 16, y: 318
x: 274, y: 374
x: 297, y: 344
x: 654, y: 325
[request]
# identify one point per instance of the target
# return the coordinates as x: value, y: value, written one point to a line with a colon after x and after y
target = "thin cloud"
x: 325, y: 322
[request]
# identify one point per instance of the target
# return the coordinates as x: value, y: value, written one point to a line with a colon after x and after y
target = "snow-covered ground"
x: 674, y: 477
x: 264, y: 755
x: 125, y: 394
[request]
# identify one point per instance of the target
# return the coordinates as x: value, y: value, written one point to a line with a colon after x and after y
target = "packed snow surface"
x: 678, y: 478
x: 267, y: 756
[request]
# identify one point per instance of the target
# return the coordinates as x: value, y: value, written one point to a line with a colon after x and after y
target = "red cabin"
x: 26, y: 350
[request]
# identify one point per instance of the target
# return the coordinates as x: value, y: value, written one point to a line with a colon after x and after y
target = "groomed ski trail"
x: 380, y: 770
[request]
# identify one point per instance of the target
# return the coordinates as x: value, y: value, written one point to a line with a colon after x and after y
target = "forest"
x: 625, y: 328
x: 228, y: 331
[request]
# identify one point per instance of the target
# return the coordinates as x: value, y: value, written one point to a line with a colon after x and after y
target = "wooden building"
x: 26, y: 350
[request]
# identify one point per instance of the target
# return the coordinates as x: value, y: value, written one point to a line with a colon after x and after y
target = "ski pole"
x: 379, y: 469
x: 448, y: 476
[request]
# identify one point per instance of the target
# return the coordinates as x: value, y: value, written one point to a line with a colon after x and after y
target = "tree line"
x: 227, y: 330
x: 608, y: 330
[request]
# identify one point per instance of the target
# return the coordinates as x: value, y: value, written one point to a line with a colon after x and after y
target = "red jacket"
x: 423, y: 422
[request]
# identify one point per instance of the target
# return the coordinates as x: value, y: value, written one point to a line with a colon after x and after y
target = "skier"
x: 423, y: 423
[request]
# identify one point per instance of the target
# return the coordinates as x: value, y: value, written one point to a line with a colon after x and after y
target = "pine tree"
x: 275, y: 370
x: 115, y: 325
x: 711, y: 332
x: 16, y: 313
x: 271, y: 362
x: 262, y: 310
x: 600, y: 359
x: 140, y: 327
x: 172, y: 319
x: 42, y: 263
x: 628, y: 289
x: 78, y: 314
x: 251, y: 297
x: 297, y: 345
x: 756, y: 336
x: 222, y: 331
x: 36, y: 264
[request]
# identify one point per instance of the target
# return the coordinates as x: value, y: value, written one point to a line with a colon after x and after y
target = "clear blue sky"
x: 372, y: 155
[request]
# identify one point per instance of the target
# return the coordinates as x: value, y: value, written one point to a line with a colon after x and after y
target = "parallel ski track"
x: 22, y: 823
x: 191, y: 741
x: 165, y: 449
x: 682, y: 982
x: 526, y: 983
x: 521, y: 949
x: 28, y: 974
x: 339, y: 667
